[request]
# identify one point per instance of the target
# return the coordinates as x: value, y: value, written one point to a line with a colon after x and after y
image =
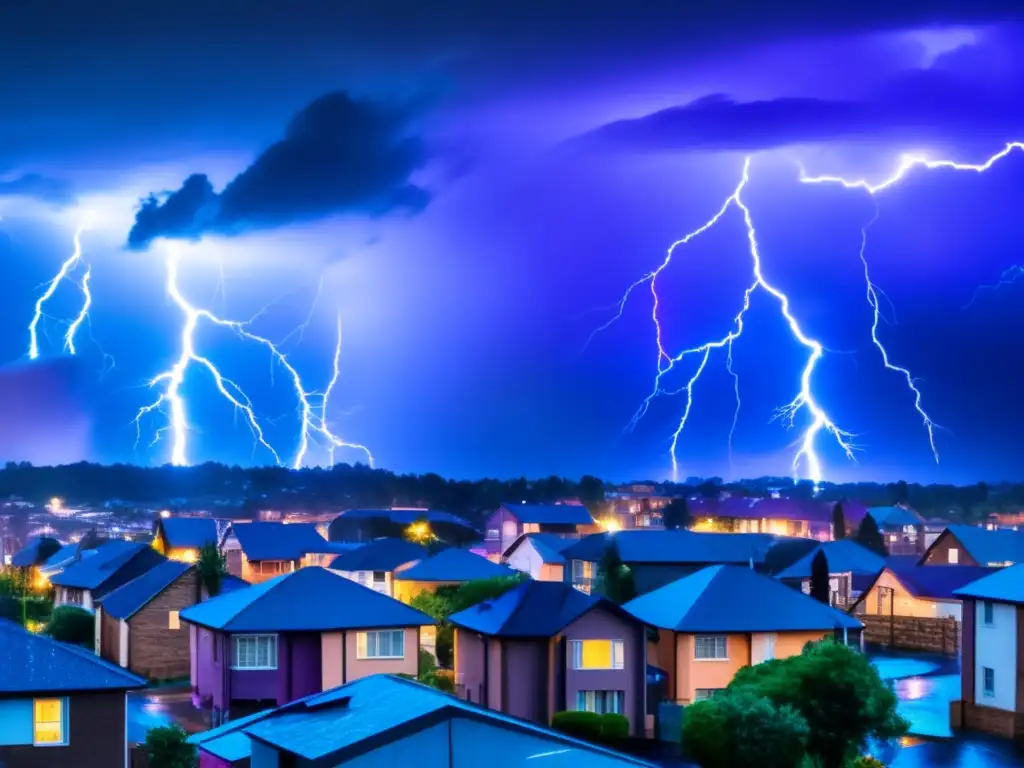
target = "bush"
x: 614, y: 728
x: 866, y: 761
x: 168, y: 747
x: 71, y: 624
x: 609, y: 729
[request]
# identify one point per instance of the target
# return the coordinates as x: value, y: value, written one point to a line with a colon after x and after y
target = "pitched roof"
x: 280, y: 541
x: 30, y: 554
x: 937, y: 582
x: 93, y: 572
x: 844, y: 556
x: 188, y: 532
x: 407, y: 516
x: 379, y: 555
x: 1006, y: 585
x: 307, y: 600
x: 356, y: 718
x: 548, y: 545
x: 61, y: 557
x: 125, y: 601
x: 454, y: 565
x: 986, y: 547
x: 36, y: 664
x: 676, y: 547
x: 729, y: 598
x: 550, y: 514
x: 533, y: 609
x: 229, y: 742
x: 894, y: 516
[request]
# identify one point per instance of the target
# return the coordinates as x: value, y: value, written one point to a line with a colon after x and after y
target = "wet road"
x: 155, y: 707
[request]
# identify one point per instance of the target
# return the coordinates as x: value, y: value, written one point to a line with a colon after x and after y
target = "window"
x: 706, y: 693
x: 601, y: 702
x: 598, y: 654
x: 987, y: 612
x: 384, y: 644
x: 583, y: 575
x: 173, y: 622
x: 954, y: 556
x: 492, y: 534
x: 49, y: 722
x: 255, y: 652
x: 989, y: 681
x: 711, y: 647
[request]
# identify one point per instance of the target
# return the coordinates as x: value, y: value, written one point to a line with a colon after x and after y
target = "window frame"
x: 363, y: 644
x: 254, y: 636
x: 616, y: 697
x: 715, y: 639
x: 616, y: 654
x: 986, y: 689
x: 988, y: 613
x: 65, y: 731
x: 953, y: 556
x: 174, y: 620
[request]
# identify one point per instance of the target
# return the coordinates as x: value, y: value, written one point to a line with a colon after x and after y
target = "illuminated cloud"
x: 38, y: 187
x: 338, y: 155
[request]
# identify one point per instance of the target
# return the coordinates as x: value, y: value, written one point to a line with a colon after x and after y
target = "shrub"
x: 608, y: 729
x: 71, y: 624
x: 168, y: 747
x: 866, y: 761
x: 614, y: 728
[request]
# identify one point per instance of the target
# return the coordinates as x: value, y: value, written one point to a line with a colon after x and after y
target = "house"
x: 373, y: 564
x: 369, y: 524
x: 851, y: 568
x: 804, y: 518
x: 30, y: 559
x: 115, y: 563
x: 902, y: 529
x: 992, y: 664
x: 293, y: 635
x: 714, y: 622
x: 256, y: 552
x: 539, y: 554
x: 449, y: 567
x: 385, y: 720
x: 60, y: 706
x: 64, y: 557
x: 181, y: 538
x: 545, y: 647
x: 659, y: 557
x: 636, y: 506
x: 511, y: 521
x: 971, y: 545
x: 922, y: 591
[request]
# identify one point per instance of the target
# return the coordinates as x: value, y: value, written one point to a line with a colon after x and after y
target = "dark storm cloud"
x: 38, y: 187
x: 338, y: 155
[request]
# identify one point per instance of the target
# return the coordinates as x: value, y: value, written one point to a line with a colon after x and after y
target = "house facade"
x: 919, y: 591
x: 902, y: 529
x: 114, y: 563
x: 636, y: 506
x: 181, y: 538
x: 511, y: 521
x: 803, y: 518
x: 976, y: 546
x: 373, y: 565
x: 258, y: 551
x: 539, y: 555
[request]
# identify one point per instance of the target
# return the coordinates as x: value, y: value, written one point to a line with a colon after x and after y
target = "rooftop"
x: 937, y: 582
x: 675, y: 547
x: 281, y: 541
x: 379, y: 555
x: 548, y: 545
x: 1006, y: 585
x: 986, y: 547
x: 454, y: 565
x: 407, y: 516
x: 550, y: 514
x: 125, y: 601
x: 894, y: 516
x: 188, y: 532
x: 110, y: 557
x: 844, y: 556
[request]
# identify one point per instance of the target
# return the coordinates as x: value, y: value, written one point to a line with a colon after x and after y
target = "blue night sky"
x: 471, y: 189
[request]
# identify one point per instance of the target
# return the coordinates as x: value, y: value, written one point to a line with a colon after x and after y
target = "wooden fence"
x: 913, y: 634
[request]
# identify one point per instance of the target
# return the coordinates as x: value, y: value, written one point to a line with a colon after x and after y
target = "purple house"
x: 298, y: 634
x: 545, y: 647
x: 511, y: 521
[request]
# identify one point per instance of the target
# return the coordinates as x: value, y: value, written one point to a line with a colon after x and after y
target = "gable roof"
x: 125, y: 601
x: 307, y: 600
x: 730, y: 598
x: 31, y: 553
x: 1006, y: 585
x: 986, y: 547
x: 61, y: 557
x: 110, y: 558
x: 36, y: 664
x: 407, y: 516
x: 280, y: 541
x: 844, y: 556
x: 933, y: 582
x: 548, y: 545
x: 379, y: 555
x: 188, y: 532
x: 533, y: 609
x: 675, y: 547
x: 894, y: 516
x: 353, y: 719
x: 454, y: 565
x: 549, y: 514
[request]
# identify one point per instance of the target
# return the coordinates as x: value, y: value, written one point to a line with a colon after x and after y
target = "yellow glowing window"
x: 597, y: 654
x: 49, y: 722
x: 173, y: 622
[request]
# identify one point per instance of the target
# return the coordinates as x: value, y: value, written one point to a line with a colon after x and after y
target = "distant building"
x: 921, y: 591
x: 368, y: 524
x: 373, y: 565
x: 257, y: 551
x: 851, y: 568
x: 115, y: 563
x: 511, y: 521
x: 539, y: 555
x: 448, y: 568
x: 181, y: 538
x: 971, y: 545
x: 902, y: 529
x: 804, y: 518
x: 637, y: 506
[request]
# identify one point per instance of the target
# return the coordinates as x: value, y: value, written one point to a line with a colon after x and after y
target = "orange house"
x: 722, y: 618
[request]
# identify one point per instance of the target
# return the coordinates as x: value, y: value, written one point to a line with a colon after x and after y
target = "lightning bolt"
x: 312, y: 420
x: 1010, y: 276
x: 69, y: 337
x: 66, y: 268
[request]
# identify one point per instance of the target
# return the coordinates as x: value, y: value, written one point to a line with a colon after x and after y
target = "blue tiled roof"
x: 730, y: 598
x: 352, y: 719
x: 985, y: 547
x: 547, y: 545
x: 280, y: 541
x: 894, y: 516
x: 36, y: 664
x: 550, y: 514
x: 229, y: 583
x: 1006, y: 585
x: 125, y: 601
x: 844, y: 556
x: 379, y: 555
x: 61, y: 557
x: 407, y: 516
x: 454, y: 565
x: 310, y: 599
x: 188, y: 532
x: 676, y: 547
x: 229, y: 742
x: 533, y: 609
x: 29, y: 554
x: 91, y: 573
x: 937, y: 582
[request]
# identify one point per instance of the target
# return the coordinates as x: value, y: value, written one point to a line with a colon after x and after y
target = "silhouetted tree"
x: 211, y: 567
x: 870, y: 537
x: 900, y: 492
x: 617, y: 583
x: 819, y: 578
x: 590, y: 490
x: 838, y: 522
x: 676, y: 514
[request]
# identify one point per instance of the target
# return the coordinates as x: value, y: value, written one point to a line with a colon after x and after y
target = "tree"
x: 590, y: 491
x: 870, y: 537
x: 71, y: 624
x: 617, y: 583
x: 167, y: 747
x: 837, y: 691
x: 819, y: 578
x: 211, y: 568
x: 676, y: 514
x: 838, y: 522
x: 739, y: 729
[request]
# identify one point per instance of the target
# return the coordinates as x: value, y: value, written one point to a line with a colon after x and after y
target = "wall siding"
x: 996, y: 647
x: 154, y: 649
x: 939, y: 553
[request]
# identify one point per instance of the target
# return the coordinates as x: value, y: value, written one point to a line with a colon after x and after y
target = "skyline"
x: 383, y: 258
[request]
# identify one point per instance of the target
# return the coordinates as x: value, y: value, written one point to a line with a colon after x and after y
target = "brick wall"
x: 912, y: 633
x: 998, y: 722
x: 110, y: 638
x: 154, y: 649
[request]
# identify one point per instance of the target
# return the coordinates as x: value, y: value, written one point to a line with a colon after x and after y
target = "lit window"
x: 954, y: 556
x: 598, y: 654
x: 492, y: 533
x: 384, y: 644
x: 711, y: 647
x: 49, y: 726
x: 255, y: 652
x: 989, y: 680
x: 988, y: 613
x: 601, y: 702
x: 173, y: 622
